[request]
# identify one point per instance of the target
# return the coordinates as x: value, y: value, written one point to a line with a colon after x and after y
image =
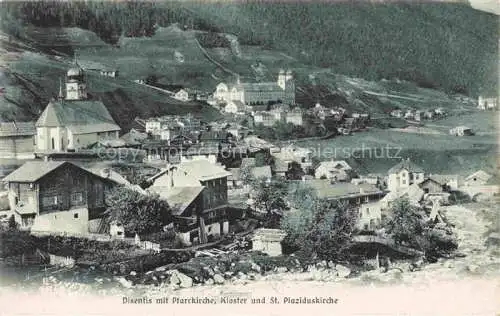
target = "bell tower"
x: 76, y: 89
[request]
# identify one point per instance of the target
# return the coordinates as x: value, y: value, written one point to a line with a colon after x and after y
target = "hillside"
x: 448, y: 46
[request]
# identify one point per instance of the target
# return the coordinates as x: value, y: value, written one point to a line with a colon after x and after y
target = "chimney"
x: 105, y: 172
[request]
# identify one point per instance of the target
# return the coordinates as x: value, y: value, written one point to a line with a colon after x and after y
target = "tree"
x: 270, y: 197
x: 405, y: 222
x: 12, y: 222
x: 323, y: 229
x: 409, y: 225
x: 138, y: 213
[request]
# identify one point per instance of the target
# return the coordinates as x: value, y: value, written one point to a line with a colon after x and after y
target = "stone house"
x: 268, y: 241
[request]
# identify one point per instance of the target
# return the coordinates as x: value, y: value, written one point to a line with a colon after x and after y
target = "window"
x: 404, y: 181
x: 367, y: 211
x: 50, y: 200
x: 75, y: 215
x: 76, y: 198
x: 53, y: 143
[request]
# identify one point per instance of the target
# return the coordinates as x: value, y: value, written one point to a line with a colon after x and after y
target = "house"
x: 487, y: 103
x: 404, y: 174
x: 17, y: 140
x: 74, y: 121
x: 134, y: 138
x: 185, y: 95
x: 477, y: 178
x: 280, y: 167
x: 295, y: 117
x: 370, y: 216
x: 397, y: 113
x: 56, y: 196
x: 409, y: 115
x: 449, y: 182
x: 334, y: 169
x: 432, y: 185
x: 268, y: 241
x: 283, y: 90
x: 363, y: 199
x: 428, y: 115
x: 187, y: 210
x: 214, y: 196
x: 264, y: 118
x: 302, y: 156
x: 199, y: 152
x: 413, y: 193
x: 235, y: 107
x: 461, y: 131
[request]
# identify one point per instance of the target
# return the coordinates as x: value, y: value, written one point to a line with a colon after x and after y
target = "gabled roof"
x: 479, y: 174
x: 336, y: 164
x: 405, y: 164
x: 203, y: 170
x: 178, y: 198
x: 82, y: 116
x: 17, y: 129
x: 31, y: 171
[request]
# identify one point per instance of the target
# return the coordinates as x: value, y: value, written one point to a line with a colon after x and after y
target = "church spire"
x: 61, y: 95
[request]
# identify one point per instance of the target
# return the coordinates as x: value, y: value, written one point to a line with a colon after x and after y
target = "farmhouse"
x: 56, y: 196
x: 338, y: 170
x: 17, y: 139
x: 74, y: 121
x: 214, y: 197
x: 404, y: 174
x: 259, y: 93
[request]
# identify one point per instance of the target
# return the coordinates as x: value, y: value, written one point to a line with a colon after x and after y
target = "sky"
x: 486, y: 5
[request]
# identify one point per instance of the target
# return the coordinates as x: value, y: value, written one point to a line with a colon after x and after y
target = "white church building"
x: 281, y: 91
x: 74, y: 121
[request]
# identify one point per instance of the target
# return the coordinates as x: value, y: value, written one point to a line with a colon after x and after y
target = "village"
x: 176, y: 188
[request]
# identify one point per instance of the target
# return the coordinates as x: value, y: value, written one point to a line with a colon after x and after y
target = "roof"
x: 17, y: 129
x: 444, y: 179
x: 31, y: 171
x: 325, y: 190
x: 405, y: 164
x: 258, y: 87
x: 261, y: 172
x: 479, y: 174
x: 203, y: 170
x: 335, y: 164
x: 268, y: 234
x: 82, y: 116
x: 178, y: 198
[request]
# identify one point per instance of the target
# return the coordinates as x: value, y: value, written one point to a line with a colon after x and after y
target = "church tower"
x: 287, y: 83
x: 76, y: 88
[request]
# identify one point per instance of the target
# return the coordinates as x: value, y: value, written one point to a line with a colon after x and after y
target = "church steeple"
x: 61, y: 95
x: 76, y: 88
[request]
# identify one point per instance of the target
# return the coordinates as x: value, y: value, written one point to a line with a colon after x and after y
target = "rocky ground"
x: 465, y: 284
